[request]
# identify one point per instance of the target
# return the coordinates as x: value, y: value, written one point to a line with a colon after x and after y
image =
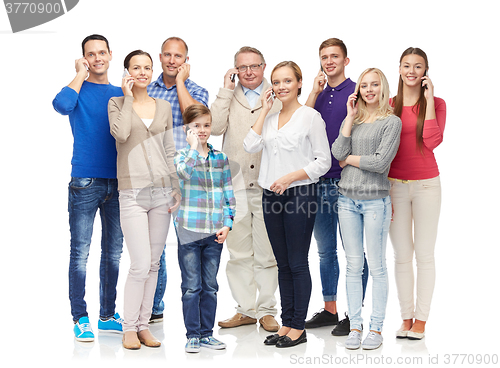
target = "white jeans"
x: 145, y: 220
x: 414, y: 230
x: 251, y: 267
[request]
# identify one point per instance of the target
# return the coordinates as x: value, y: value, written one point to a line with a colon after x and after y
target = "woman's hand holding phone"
x: 429, y: 87
x: 352, y: 104
x: 127, y: 83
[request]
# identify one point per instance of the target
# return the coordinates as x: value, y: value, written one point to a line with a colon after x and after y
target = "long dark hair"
x: 421, y: 106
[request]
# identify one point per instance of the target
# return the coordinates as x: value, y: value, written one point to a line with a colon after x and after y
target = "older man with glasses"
x: 251, y: 270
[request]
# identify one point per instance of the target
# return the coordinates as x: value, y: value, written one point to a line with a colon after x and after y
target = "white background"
x: 462, y: 45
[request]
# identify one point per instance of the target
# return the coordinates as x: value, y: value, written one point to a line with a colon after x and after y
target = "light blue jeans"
x: 371, y: 218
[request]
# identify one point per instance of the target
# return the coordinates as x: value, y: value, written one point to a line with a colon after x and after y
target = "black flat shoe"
x: 287, y: 342
x: 272, y: 339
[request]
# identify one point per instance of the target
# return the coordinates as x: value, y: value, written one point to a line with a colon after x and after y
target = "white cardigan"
x: 300, y: 144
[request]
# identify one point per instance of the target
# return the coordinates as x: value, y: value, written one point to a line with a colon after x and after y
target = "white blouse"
x: 300, y: 144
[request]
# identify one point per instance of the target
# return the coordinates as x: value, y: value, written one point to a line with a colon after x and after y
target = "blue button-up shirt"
x: 331, y: 104
x: 157, y: 89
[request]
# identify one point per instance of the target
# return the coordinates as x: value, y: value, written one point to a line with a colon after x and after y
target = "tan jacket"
x: 233, y: 117
x: 145, y: 156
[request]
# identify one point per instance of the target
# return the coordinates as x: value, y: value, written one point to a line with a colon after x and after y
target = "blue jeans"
x: 158, y: 305
x: 372, y: 218
x: 289, y: 219
x: 325, y: 233
x: 86, y: 196
x: 199, y: 259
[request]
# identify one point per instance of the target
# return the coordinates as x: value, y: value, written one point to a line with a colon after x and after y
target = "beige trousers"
x: 145, y: 220
x: 251, y: 268
x: 416, y: 207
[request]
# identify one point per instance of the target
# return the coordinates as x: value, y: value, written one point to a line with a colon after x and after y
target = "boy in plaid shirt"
x: 204, y: 219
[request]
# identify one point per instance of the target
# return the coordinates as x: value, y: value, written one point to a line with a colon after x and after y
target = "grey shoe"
x: 353, y: 341
x: 372, y: 341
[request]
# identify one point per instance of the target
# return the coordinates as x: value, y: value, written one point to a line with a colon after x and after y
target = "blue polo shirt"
x: 331, y: 104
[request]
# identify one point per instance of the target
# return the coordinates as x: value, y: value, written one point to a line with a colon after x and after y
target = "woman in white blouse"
x: 295, y: 154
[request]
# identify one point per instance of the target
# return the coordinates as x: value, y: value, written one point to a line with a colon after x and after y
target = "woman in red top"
x: 416, y: 190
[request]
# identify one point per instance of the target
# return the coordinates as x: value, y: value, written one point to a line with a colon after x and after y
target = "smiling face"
x: 412, y: 69
x: 98, y: 56
x: 370, y: 89
x: 172, y: 56
x: 201, y: 126
x: 250, y: 79
x: 333, y: 61
x: 141, y: 68
x: 285, y: 84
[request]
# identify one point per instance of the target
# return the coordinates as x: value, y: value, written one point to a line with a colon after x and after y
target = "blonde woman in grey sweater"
x: 148, y: 187
x: 367, y: 143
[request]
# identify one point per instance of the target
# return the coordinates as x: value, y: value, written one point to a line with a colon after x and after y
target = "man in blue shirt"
x: 93, y: 184
x: 174, y: 86
x: 329, y: 96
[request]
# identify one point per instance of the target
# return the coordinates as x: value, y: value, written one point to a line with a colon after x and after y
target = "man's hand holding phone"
x: 230, y: 78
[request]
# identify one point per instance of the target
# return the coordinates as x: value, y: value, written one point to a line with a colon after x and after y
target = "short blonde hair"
x: 384, y: 108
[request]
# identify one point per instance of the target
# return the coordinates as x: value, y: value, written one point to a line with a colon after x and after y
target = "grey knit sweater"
x: 377, y: 144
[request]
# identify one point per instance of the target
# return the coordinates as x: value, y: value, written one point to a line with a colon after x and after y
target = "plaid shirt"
x: 208, y: 202
x: 157, y: 89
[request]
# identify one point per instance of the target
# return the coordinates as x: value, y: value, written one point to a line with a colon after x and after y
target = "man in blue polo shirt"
x: 93, y: 184
x: 174, y: 86
x: 329, y: 97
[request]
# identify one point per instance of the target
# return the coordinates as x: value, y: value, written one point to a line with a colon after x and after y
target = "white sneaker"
x: 372, y: 341
x: 353, y: 341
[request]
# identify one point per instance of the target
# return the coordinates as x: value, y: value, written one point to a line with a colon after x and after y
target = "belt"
x: 402, y: 181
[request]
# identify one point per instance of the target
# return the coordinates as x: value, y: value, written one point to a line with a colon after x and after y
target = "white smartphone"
x: 126, y: 73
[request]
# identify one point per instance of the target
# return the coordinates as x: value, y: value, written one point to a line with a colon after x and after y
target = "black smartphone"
x: 425, y: 75
x: 233, y: 77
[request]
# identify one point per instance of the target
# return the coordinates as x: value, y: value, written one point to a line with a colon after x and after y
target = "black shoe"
x: 343, y: 328
x: 156, y: 318
x: 322, y: 318
x: 273, y: 339
x: 287, y: 342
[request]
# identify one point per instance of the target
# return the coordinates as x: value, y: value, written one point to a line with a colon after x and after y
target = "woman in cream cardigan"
x: 148, y: 190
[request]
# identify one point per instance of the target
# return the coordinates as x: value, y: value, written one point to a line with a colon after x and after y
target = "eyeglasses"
x: 244, y: 68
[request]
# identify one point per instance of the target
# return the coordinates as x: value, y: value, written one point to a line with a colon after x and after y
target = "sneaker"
x: 322, y: 318
x: 212, y: 343
x: 83, y: 330
x: 113, y: 324
x: 192, y: 345
x: 353, y: 341
x: 372, y: 341
x: 155, y: 318
x: 344, y: 327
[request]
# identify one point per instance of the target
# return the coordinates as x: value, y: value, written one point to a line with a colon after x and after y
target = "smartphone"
x: 355, y: 101
x: 425, y: 75
x: 272, y: 96
x: 233, y: 77
x: 126, y: 73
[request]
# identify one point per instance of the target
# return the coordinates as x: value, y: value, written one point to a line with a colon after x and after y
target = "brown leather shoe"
x: 147, y: 338
x: 237, y: 320
x: 269, y: 323
x: 130, y: 340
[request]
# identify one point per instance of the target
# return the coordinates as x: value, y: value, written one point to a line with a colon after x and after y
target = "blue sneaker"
x: 192, y: 345
x: 83, y: 330
x: 212, y: 343
x: 114, y: 324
